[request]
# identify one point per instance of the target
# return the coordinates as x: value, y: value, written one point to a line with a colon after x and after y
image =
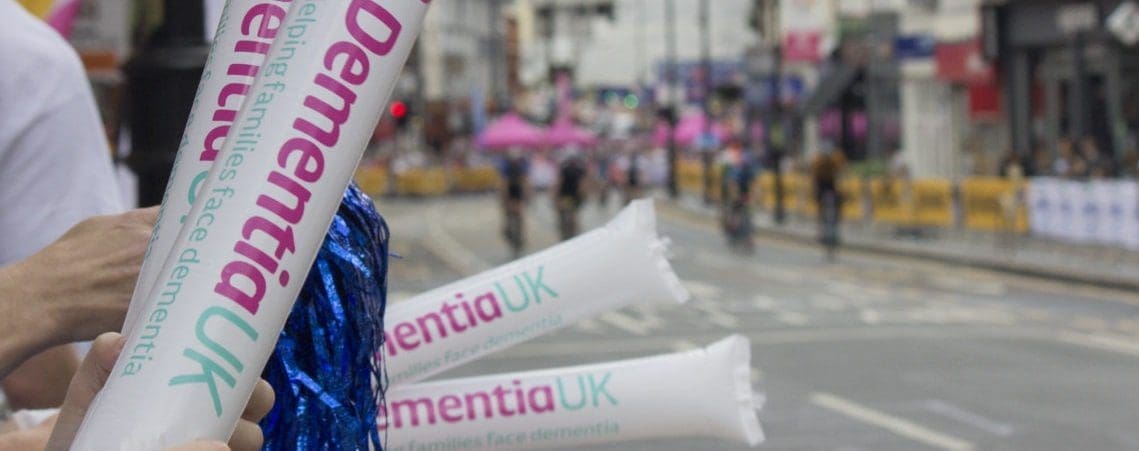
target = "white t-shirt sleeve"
x: 55, y: 164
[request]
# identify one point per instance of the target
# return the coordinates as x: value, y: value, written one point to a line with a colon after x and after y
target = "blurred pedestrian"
x: 1067, y: 164
x: 56, y: 169
x: 1098, y: 165
x: 1011, y: 166
x: 1130, y: 164
x: 1041, y: 164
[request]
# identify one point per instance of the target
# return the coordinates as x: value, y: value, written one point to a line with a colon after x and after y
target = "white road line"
x: 898, y: 426
x: 966, y: 417
x: 453, y: 253
x: 1103, y: 343
x: 627, y: 323
x: 713, y: 314
x: 703, y: 290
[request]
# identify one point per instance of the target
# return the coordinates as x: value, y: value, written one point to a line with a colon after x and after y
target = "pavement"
x: 880, y: 351
x: 1077, y: 263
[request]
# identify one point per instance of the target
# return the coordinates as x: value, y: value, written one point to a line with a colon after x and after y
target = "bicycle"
x: 829, y: 224
x: 514, y: 230
x: 567, y: 217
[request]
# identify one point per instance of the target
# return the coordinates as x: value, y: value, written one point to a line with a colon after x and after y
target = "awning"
x: 830, y: 89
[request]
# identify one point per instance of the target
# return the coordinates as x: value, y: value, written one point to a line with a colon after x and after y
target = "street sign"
x: 1124, y: 23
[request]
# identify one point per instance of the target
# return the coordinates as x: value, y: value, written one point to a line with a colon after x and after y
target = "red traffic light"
x: 398, y: 110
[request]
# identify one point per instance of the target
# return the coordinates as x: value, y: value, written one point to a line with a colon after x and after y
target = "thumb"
x: 86, y: 383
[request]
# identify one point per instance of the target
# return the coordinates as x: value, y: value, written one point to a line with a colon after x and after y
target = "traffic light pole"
x: 674, y: 102
x: 707, y: 151
x: 777, y: 147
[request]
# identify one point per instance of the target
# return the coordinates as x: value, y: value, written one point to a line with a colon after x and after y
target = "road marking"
x: 1090, y: 323
x: 1101, y: 342
x: 762, y: 302
x: 629, y: 324
x: 451, y: 252
x: 966, y: 417
x: 898, y: 426
x: 702, y: 290
x: 713, y: 314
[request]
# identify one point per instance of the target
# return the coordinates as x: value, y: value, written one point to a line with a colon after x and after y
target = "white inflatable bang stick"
x: 225, y: 291
x: 244, y: 35
x: 701, y: 393
x: 606, y: 269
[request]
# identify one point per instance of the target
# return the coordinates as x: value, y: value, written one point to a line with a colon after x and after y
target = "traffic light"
x: 399, y: 112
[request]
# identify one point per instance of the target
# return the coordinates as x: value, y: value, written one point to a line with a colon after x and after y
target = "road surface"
x: 873, y: 353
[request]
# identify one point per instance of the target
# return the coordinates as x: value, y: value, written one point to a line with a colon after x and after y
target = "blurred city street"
x: 871, y: 353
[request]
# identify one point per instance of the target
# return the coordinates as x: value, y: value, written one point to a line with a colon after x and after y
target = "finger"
x: 94, y: 370
x: 246, y: 437
x: 260, y: 402
x: 86, y: 383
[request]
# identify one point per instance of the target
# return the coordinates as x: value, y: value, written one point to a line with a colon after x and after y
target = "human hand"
x: 93, y: 374
x: 84, y: 279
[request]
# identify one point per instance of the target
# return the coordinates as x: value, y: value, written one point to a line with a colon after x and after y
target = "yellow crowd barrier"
x: 422, y: 182
x: 764, y: 187
x: 474, y: 179
x: 932, y: 202
x: 891, y: 201
x: 853, y: 193
x: 690, y: 176
x: 799, y: 198
x: 993, y: 204
x: 372, y: 179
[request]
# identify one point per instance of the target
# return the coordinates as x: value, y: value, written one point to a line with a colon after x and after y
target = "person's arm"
x: 41, y: 381
x: 57, y: 171
x: 25, y: 331
x: 73, y: 290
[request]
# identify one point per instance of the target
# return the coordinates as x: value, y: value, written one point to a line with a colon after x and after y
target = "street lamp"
x: 674, y: 102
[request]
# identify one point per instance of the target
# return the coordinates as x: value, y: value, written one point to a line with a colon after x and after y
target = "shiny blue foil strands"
x: 324, y: 368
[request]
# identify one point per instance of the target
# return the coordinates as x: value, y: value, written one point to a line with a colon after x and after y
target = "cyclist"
x: 825, y: 171
x: 515, y: 193
x: 569, y: 192
x: 738, y: 172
